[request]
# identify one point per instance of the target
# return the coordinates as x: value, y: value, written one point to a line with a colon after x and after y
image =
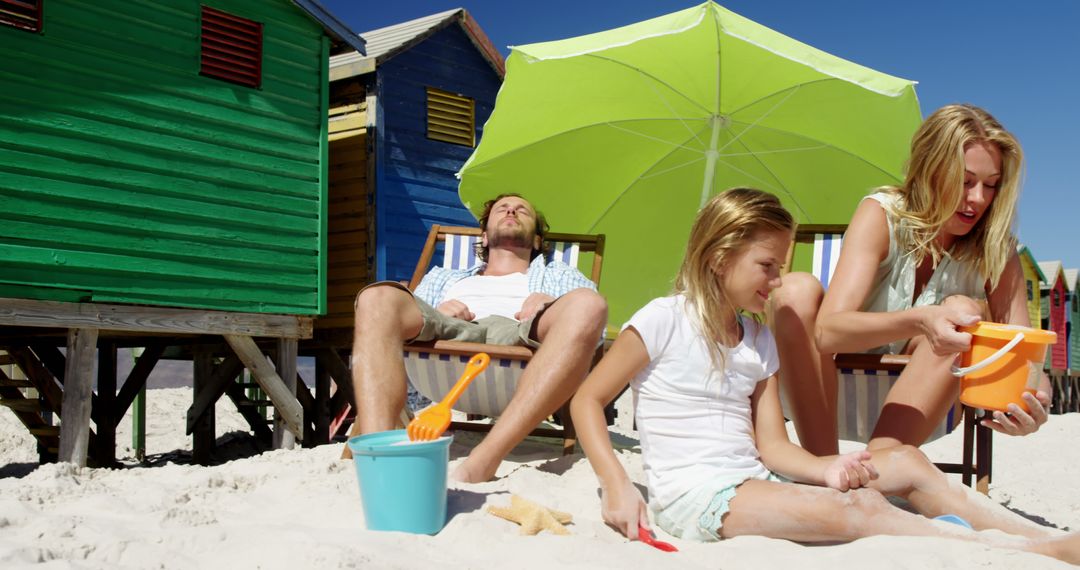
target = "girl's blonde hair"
x: 723, y: 227
x: 934, y: 190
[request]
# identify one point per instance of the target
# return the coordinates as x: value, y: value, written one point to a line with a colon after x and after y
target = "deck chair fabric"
x: 433, y: 367
x: 865, y: 379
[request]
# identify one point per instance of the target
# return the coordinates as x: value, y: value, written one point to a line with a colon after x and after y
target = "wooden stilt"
x: 107, y: 416
x: 321, y: 409
x: 138, y: 425
x: 285, y: 364
x: 78, y: 389
x: 203, y: 436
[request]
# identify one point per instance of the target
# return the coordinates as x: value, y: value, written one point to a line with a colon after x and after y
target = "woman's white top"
x: 694, y: 420
x: 894, y: 282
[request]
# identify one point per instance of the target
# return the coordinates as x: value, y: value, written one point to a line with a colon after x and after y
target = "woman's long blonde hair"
x: 723, y: 227
x: 934, y: 190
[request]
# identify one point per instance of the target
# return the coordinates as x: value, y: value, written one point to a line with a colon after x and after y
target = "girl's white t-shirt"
x: 487, y: 295
x: 694, y: 420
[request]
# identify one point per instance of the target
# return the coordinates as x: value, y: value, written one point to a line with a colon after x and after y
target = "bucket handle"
x: 989, y: 360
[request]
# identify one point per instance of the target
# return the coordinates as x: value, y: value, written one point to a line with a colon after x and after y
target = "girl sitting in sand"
x: 918, y: 261
x: 717, y: 459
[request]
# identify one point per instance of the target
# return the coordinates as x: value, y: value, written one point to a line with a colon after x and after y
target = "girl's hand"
x: 623, y: 507
x: 939, y: 327
x: 1019, y: 422
x: 850, y: 471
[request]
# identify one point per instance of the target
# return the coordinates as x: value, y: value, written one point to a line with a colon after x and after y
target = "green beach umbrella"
x: 628, y: 132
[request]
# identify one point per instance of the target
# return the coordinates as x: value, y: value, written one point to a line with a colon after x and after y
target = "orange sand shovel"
x: 432, y: 422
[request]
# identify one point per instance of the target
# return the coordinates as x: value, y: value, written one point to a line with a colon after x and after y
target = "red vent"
x: 231, y: 48
x: 22, y: 14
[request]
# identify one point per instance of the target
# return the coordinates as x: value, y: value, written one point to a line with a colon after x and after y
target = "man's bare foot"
x: 469, y: 472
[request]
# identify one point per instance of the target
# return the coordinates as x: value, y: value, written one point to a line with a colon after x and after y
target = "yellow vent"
x: 451, y: 118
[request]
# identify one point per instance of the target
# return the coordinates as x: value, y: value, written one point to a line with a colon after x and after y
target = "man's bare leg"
x: 568, y: 330
x: 385, y: 317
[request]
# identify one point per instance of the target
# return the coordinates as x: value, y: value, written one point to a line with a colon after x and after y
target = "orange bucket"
x: 1004, y: 362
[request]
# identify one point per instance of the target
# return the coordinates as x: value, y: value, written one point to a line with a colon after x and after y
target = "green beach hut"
x: 166, y: 153
x: 163, y: 176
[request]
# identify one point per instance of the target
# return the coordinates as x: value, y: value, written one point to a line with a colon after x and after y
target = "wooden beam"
x: 257, y: 421
x: 320, y: 408
x: 43, y: 380
x: 337, y: 369
x: 307, y: 402
x: 78, y: 387
x: 136, y: 379
x: 56, y: 362
x: 285, y: 362
x: 32, y: 313
x: 283, y: 398
x: 214, y: 388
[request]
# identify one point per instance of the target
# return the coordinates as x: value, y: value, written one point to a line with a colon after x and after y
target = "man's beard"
x: 510, y: 237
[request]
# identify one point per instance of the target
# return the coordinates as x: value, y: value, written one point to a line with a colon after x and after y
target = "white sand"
x: 301, y: 509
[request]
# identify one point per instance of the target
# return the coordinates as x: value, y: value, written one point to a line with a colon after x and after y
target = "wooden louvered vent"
x: 451, y: 118
x: 22, y: 14
x: 231, y: 48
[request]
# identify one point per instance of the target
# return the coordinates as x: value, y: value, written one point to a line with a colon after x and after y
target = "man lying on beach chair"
x: 513, y: 297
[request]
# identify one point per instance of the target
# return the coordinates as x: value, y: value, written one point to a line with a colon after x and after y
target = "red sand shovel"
x: 646, y: 536
x: 432, y: 422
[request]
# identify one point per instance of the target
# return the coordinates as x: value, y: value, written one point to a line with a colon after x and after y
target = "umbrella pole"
x: 711, y: 156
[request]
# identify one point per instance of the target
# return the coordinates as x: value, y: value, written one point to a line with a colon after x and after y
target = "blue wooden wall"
x: 415, y: 183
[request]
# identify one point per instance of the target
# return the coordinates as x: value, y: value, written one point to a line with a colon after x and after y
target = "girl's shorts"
x: 699, y: 513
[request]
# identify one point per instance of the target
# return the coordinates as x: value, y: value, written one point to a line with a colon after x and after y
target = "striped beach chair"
x: 433, y: 367
x: 865, y: 379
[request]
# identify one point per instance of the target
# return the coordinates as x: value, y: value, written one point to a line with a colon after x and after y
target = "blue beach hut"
x: 403, y: 120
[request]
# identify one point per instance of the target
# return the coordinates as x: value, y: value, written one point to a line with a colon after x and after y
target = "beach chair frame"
x: 432, y: 367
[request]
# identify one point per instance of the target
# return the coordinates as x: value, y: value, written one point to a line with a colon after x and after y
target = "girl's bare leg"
x: 814, y: 514
x: 807, y: 377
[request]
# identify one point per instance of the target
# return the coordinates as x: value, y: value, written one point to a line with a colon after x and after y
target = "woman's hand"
x: 1019, y: 422
x: 623, y: 507
x: 939, y: 326
x: 850, y: 471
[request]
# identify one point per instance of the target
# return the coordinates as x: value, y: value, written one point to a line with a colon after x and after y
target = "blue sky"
x: 1017, y: 60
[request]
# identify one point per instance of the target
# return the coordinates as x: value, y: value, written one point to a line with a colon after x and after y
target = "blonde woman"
x: 919, y: 261
x: 713, y: 441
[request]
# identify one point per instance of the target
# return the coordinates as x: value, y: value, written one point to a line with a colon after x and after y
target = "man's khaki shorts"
x: 492, y: 329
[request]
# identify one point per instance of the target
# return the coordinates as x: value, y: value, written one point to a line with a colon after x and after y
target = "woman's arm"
x: 621, y: 504
x: 842, y: 327
x: 1008, y: 304
x: 843, y: 472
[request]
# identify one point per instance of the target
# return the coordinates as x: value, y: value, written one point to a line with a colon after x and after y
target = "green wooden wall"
x: 125, y: 176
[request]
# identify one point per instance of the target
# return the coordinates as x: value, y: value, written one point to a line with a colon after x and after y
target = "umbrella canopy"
x: 628, y: 132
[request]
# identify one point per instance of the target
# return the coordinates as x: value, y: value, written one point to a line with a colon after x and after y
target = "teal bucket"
x: 402, y: 487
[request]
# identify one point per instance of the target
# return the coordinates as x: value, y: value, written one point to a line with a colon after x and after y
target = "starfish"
x: 532, y: 517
